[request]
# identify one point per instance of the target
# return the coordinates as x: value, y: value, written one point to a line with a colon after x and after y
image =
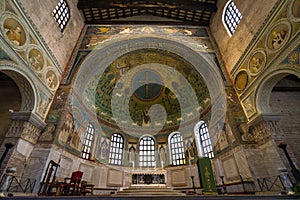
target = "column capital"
x: 262, y: 128
x: 267, y: 117
x: 30, y: 117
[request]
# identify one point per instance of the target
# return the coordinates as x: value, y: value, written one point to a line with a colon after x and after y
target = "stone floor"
x: 149, y: 197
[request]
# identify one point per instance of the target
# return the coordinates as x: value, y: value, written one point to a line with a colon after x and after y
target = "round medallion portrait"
x: 278, y: 36
x: 241, y: 80
x: 257, y: 62
x: 51, y: 79
x: 14, y: 32
x: 36, y: 59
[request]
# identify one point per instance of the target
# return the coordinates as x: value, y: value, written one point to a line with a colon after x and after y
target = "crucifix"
x: 147, y: 81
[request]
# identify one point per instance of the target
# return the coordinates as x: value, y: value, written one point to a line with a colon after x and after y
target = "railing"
x: 272, y: 184
x: 18, y: 184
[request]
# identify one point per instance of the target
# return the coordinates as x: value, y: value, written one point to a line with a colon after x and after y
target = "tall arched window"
x: 203, y: 141
x: 176, y: 148
x: 231, y: 17
x: 116, y: 149
x: 147, y: 152
x: 88, y: 141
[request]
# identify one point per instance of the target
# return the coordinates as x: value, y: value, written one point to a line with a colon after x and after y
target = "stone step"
x: 149, y: 191
x: 162, y: 197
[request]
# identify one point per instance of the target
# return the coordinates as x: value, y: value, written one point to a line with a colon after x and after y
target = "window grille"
x: 147, y: 152
x: 231, y: 17
x: 203, y: 142
x: 61, y: 14
x: 88, y: 141
x: 177, y: 150
x: 116, y: 149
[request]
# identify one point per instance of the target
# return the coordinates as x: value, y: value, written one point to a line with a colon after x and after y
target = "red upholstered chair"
x: 71, y: 186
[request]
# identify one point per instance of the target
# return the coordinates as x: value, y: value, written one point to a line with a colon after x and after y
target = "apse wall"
x: 101, y: 46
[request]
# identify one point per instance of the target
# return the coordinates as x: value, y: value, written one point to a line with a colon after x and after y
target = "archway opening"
x: 10, y: 101
x: 284, y: 100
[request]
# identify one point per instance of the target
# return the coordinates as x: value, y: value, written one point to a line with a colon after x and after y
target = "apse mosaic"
x: 150, y: 86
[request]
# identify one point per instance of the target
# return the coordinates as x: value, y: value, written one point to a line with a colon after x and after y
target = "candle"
x: 220, y: 168
x: 191, y: 171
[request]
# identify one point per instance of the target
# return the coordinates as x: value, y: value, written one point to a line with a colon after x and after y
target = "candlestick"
x: 220, y: 169
x: 190, y: 165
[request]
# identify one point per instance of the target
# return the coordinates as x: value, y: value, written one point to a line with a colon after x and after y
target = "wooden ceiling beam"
x: 161, y: 4
x: 121, y: 22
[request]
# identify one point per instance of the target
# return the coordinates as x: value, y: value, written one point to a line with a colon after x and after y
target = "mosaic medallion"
x: 14, y: 32
x: 257, y: 62
x: 241, y: 80
x: 278, y: 36
x: 36, y: 59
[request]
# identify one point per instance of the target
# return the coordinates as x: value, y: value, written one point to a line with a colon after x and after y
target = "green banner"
x: 206, y: 176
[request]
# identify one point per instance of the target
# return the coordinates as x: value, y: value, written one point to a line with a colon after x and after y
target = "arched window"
x: 203, y: 141
x: 88, y: 141
x: 61, y: 14
x: 116, y: 149
x: 231, y: 17
x: 147, y: 152
x: 176, y: 148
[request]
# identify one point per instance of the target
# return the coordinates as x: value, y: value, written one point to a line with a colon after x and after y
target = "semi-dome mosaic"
x: 157, y: 78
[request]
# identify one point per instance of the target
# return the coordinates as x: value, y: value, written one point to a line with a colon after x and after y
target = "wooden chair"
x: 71, y: 186
x: 48, y: 183
x: 86, y: 188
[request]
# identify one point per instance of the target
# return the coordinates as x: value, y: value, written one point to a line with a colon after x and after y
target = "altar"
x: 148, y: 177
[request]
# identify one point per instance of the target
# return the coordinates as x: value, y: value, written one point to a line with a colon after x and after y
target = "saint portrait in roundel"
x: 278, y: 36
x: 35, y: 59
x: 51, y: 79
x: 257, y: 62
x: 14, y: 32
x: 241, y: 80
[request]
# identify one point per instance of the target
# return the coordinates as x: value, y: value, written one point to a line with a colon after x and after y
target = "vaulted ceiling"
x: 185, y: 12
